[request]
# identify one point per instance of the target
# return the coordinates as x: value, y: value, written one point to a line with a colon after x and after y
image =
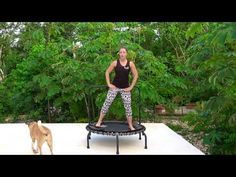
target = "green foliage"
x: 176, y: 128
x: 195, y: 28
x: 215, y: 67
x: 45, y: 75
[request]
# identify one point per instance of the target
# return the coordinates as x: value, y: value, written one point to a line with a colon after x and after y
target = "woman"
x: 120, y: 84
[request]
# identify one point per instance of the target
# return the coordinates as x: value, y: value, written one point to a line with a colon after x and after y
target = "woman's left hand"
x: 128, y: 89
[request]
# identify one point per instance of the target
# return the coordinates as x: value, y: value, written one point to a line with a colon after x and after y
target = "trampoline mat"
x: 115, y: 127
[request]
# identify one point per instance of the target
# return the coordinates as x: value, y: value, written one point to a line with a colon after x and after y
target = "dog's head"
x: 29, y: 122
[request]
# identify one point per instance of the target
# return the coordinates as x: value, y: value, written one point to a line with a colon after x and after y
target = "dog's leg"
x: 40, y: 144
x: 33, y: 144
x: 49, y: 142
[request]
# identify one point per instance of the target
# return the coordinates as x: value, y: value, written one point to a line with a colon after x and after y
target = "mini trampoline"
x: 115, y: 128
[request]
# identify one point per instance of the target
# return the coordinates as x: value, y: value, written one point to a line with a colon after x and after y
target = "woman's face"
x: 122, y: 53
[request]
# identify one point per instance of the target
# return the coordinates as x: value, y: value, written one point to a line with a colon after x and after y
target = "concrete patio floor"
x: 71, y: 139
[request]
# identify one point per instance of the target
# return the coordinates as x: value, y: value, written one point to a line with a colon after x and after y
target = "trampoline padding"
x: 115, y: 128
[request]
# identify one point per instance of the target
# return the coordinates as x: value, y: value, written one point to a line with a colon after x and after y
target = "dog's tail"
x: 41, y: 127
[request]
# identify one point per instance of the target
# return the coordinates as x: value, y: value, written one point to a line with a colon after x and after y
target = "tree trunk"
x: 87, y: 106
x: 1, y: 53
x: 49, y: 117
x: 2, y: 64
x: 183, y: 54
x: 176, y: 51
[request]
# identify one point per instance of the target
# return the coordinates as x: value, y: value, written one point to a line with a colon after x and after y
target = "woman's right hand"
x: 111, y: 86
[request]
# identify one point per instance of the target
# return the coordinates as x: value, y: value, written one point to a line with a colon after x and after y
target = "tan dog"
x: 41, y: 134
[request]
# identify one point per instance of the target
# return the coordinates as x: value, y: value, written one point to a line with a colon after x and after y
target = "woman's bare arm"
x: 107, y: 74
x: 135, y: 76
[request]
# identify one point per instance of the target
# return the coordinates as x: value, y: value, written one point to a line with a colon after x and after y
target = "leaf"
x: 213, y: 137
x: 214, y: 104
x: 232, y: 120
x: 219, y: 38
x: 38, y: 36
x: 58, y: 102
x: 194, y: 29
x: 53, y: 90
x: 231, y: 35
x: 40, y: 97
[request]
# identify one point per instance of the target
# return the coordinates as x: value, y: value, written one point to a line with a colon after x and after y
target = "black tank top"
x: 121, y: 79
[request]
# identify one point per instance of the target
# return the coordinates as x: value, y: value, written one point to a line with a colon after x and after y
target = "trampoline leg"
x: 140, y: 135
x: 145, y: 147
x: 88, y: 137
x: 117, y: 144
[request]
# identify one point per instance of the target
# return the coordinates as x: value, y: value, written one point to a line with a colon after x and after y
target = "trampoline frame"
x: 91, y: 128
